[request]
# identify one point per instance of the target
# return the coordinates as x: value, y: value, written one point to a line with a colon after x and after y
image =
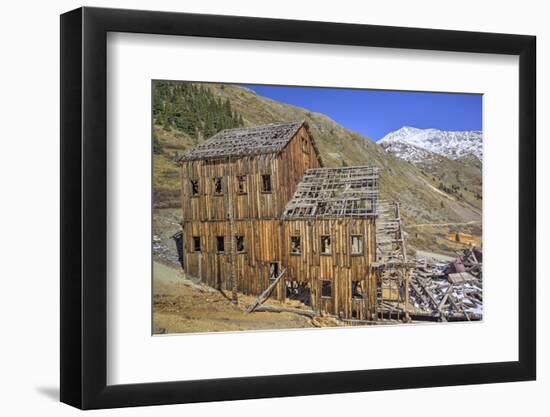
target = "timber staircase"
x: 392, y: 269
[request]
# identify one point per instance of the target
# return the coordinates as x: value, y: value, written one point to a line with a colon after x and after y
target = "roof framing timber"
x: 247, y: 141
x: 335, y: 193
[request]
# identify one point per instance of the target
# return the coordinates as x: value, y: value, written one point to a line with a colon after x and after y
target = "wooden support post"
x: 232, y: 233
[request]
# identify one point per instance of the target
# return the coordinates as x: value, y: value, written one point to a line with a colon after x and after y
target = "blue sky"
x: 374, y: 113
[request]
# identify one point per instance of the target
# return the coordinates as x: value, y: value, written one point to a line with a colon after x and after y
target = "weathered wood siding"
x: 207, y: 205
x: 269, y: 241
x: 296, y: 158
x: 341, y: 266
x: 262, y: 245
x: 286, y: 171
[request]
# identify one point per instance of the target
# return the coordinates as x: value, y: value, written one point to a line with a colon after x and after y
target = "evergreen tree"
x: 192, y: 109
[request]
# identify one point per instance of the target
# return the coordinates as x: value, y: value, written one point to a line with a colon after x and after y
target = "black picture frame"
x: 84, y: 207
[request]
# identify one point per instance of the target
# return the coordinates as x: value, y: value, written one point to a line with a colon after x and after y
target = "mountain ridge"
x: 451, y: 144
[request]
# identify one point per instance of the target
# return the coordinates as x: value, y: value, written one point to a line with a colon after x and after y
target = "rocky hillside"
x: 461, y: 177
x: 420, y: 193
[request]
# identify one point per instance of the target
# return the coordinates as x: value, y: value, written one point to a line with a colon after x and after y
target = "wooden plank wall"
x: 296, y: 158
x: 269, y: 241
x: 341, y: 267
x: 208, y: 205
x: 286, y: 170
x: 262, y: 246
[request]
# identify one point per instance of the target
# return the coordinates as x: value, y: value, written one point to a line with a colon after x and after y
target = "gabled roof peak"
x: 245, y: 141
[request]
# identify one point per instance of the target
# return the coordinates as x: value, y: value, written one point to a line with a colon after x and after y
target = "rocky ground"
x: 182, y: 305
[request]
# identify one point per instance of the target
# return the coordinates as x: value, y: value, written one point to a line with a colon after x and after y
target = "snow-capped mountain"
x: 408, y: 152
x: 452, y: 145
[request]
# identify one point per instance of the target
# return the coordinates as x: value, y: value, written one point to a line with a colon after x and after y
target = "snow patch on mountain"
x: 408, y: 142
x: 408, y: 152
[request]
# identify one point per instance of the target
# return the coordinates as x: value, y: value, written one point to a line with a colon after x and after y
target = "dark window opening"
x: 218, y: 189
x: 273, y: 270
x: 356, y: 245
x: 325, y: 245
x: 295, y: 245
x: 298, y: 291
x: 326, y: 288
x: 356, y: 289
x: 241, y: 184
x: 220, y: 244
x: 194, y: 187
x: 266, y: 183
x: 196, y: 244
x: 239, y: 241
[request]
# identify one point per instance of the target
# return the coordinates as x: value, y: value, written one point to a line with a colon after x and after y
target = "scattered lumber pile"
x: 449, y: 291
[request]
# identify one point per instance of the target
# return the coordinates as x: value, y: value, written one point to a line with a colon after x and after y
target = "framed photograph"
x: 257, y: 208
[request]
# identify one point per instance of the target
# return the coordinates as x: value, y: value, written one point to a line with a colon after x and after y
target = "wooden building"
x: 259, y: 209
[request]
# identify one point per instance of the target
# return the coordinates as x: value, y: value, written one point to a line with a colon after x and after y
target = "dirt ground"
x: 181, y: 305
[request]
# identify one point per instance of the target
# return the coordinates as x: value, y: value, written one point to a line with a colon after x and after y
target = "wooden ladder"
x: 391, y: 254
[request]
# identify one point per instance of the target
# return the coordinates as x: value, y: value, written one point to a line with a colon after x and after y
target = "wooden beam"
x: 273, y: 309
x: 265, y: 295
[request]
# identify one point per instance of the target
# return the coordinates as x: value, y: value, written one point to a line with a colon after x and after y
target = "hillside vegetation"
x: 184, y: 114
x: 461, y: 179
x: 423, y: 196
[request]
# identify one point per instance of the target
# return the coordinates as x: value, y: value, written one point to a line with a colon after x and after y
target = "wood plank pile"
x: 449, y: 291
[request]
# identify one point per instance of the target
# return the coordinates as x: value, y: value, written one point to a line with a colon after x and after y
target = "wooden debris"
x: 273, y: 309
x: 460, y: 277
x: 451, y: 296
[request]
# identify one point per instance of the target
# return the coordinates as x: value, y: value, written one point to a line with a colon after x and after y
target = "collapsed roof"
x: 335, y: 192
x: 257, y: 140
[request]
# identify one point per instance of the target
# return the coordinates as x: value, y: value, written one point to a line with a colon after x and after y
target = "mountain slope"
x: 461, y: 177
x: 417, y: 190
x: 452, y: 145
